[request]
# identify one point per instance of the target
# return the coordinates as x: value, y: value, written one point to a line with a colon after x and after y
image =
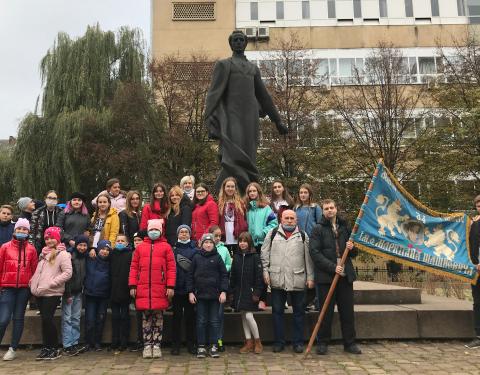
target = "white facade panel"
x: 396, y: 9
x: 422, y: 9
x: 267, y: 10
x: 293, y: 10
x: 448, y: 8
x: 370, y: 9
x: 344, y: 9
x: 318, y: 10
x: 243, y: 11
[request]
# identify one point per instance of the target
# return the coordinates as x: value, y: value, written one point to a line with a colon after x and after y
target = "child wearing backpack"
x: 54, y: 269
x: 246, y: 287
x: 207, y: 285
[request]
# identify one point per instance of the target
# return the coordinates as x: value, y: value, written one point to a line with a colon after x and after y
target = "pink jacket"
x: 49, y: 278
x: 119, y: 202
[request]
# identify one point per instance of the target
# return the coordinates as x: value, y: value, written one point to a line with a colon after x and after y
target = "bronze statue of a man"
x: 236, y: 97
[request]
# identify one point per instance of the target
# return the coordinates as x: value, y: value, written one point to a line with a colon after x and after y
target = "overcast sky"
x: 28, y: 29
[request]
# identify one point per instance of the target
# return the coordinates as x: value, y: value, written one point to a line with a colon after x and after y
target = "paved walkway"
x: 378, y: 358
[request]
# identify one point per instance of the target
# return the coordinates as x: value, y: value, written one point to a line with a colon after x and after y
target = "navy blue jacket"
x: 188, y: 251
x: 208, y: 275
x: 6, y: 232
x: 120, y: 261
x: 97, y: 279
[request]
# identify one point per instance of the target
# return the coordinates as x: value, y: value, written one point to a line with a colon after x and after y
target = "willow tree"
x: 80, y: 78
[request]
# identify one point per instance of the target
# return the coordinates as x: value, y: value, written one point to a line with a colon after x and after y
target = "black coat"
x: 73, y: 224
x: 174, y: 221
x: 97, y: 279
x: 474, y: 241
x: 246, y: 280
x: 119, y: 270
x: 42, y: 218
x: 323, y: 250
x: 75, y: 284
x: 208, y: 275
x: 129, y: 225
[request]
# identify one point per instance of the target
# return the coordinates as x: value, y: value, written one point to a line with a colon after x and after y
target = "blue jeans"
x: 95, y: 314
x: 71, y: 313
x: 13, y: 302
x: 279, y: 298
x: 207, y: 319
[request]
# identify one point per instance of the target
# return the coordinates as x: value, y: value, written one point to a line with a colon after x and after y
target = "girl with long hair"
x: 205, y: 212
x: 131, y: 215
x: 280, y: 198
x: 105, y: 223
x: 308, y: 212
x: 157, y: 208
x: 180, y: 213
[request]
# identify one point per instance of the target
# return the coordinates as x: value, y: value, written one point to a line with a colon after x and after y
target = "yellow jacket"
x: 111, y: 226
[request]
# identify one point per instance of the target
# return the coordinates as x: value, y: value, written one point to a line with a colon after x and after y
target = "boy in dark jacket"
x: 72, y: 298
x: 6, y: 224
x: 207, y: 285
x: 120, y: 260
x: 184, y: 251
x: 97, y: 292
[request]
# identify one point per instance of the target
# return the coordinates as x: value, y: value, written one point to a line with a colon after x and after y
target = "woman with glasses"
x: 205, y: 212
x: 157, y: 208
x: 130, y: 217
x: 43, y: 218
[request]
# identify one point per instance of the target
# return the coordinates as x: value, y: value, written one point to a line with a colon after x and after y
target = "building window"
x: 408, y: 8
x: 461, y: 8
x: 383, y: 8
x: 306, y: 10
x: 474, y: 11
x: 357, y: 9
x: 280, y: 10
x: 193, y: 11
x: 435, y: 9
x: 254, y: 11
x: 331, y: 9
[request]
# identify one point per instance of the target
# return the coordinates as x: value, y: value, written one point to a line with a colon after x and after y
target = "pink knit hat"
x: 22, y: 223
x: 53, y: 232
x: 155, y: 224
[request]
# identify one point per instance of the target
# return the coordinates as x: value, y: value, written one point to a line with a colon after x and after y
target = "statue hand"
x: 213, y: 128
x: 282, y: 129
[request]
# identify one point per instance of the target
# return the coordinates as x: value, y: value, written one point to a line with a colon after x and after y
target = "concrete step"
x: 435, y: 318
x: 367, y: 293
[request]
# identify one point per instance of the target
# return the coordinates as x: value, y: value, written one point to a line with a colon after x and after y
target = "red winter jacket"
x: 152, y: 271
x: 17, y: 265
x: 239, y: 225
x: 203, y: 217
x: 149, y: 214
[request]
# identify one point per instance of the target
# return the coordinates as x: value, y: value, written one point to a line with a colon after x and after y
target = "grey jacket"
x: 287, y: 261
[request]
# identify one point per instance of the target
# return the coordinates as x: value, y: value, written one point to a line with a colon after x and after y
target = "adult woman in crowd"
x: 187, y: 184
x: 280, y: 198
x: 308, y: 212
x: 232, y: 212
x: 180, y: 213
x: 44, y: 218
x: 158, y: 208
x: 74, y: 220
x: 205, y: 212
x: 130, y: 217
x: 105, y: 223
x: 117, y: 196
x: 18, y: 262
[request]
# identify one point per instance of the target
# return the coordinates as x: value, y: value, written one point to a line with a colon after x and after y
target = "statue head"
x: 238, y: 41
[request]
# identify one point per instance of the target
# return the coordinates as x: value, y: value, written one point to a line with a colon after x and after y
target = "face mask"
x: 184, y: 241
x: 50, y: 203
x: 154, y: 234
x: 21, y: 236
x: 288, y: 228
x: 120, y: 246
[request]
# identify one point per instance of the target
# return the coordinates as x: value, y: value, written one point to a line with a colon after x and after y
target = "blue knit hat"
x: 81, y: 238
x: 104, y: 243
x: 184, y: 226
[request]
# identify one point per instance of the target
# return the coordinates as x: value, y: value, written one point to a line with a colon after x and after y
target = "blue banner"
x: 394, y: 225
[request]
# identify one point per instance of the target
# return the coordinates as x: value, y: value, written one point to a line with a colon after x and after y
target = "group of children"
x: 193, y: 278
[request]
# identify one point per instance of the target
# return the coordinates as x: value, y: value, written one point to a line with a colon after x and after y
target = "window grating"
x: 188, y: 71
x: 193, y: 11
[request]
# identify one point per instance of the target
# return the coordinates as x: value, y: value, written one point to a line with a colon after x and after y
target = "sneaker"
x: 474, y: 344
x: 82, y: 348
x: 201, y: 352
x: 43, y: 353
x: 10, y: 355
x: 147, y: 351
x: 70, y: 351
x: 53, y: 354
x: 322, y: 348
x: 98, y: 348
x: 298, y: 348
x: 137, y: 347
x: 221, y: 348
x: 214, y: 351
x: 156, y: 352
x: 352, y: 349
x: 277, y: 348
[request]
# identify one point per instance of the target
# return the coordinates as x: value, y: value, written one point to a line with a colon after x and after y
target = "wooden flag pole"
x: 321, y: 316
x: 328, y: 299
